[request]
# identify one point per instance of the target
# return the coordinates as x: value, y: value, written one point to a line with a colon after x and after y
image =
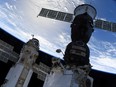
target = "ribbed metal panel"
x: 4, y: 56
x: 62, y: 16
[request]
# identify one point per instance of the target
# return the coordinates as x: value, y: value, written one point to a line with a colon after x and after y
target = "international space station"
x: 82, y: 23
x: 74, y: 70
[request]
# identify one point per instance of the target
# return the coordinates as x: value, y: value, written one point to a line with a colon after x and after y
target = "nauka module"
x: 20, y: 74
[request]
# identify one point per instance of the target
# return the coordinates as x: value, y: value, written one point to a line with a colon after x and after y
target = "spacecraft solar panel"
x: 41, y: 76
x: 98, y: 24
x: 43, y: 12
x: 4, y: 45
x: 44, y: 67
x: 67, y: 17
x: 52, y: 14
x: 42, y: 70
x: 105, y: 25
x: 113, y: 27
x: 62, y: 16
x: 13, y: 58
x: 4, y: 57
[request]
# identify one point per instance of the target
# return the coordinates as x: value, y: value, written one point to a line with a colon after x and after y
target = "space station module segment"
x: 20, y: 74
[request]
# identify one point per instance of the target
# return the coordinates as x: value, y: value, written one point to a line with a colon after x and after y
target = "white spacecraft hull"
x: 14, y: 74
x: 20, y: 74
x: 60, y: 79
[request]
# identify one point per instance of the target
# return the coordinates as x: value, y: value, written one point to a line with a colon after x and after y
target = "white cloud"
x: 48, y: 47
x: 104, y: 64
x: 2, y: 14
x: 64, y: 39
x: 102, y: 48
x: 8, y: 6
x: 99, y: 18
x: 103, y: 55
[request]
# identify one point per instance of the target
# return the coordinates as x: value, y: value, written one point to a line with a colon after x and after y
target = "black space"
x: 8, y: 38
x: 44, y: 58
x: 101, y: 79
x: 34, y: 82
x: 4, y: 68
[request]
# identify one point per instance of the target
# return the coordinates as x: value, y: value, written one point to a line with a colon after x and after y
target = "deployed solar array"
x: 105, y: 25
x: 62, y: 16
x: 67, y: 17
x: 42, y: 70
x: 4, y: 56
x: 7, y: 53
